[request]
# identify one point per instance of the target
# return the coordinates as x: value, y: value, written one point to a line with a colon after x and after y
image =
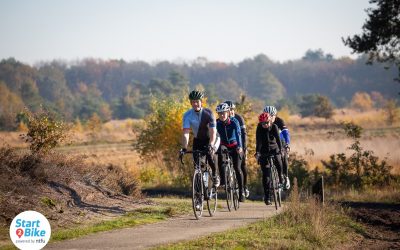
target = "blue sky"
x: 176, y: 30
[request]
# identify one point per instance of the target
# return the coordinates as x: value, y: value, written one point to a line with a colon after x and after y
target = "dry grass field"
x: 315, y: 139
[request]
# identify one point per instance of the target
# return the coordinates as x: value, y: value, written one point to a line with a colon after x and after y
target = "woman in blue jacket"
x: 228, y: 129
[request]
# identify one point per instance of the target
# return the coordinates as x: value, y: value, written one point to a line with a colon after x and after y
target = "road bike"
x: 231, y: 183
x: 202, y: 185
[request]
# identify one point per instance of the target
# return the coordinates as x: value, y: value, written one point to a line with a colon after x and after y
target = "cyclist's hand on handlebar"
x: 182, y: 152
x: 239, y: 150
x: 287, y: 148
x: 211, y: 149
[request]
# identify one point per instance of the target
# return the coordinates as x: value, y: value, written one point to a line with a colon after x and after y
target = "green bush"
x: 44, y: 131
x: 362, y: 169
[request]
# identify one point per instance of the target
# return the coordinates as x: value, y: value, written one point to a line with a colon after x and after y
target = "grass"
x: 302, y: 225
x: 389, y: 194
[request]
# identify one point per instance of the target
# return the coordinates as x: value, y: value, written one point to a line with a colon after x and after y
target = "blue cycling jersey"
x: 199, y: 122
x: 229, y: 132
x: 284, y: 131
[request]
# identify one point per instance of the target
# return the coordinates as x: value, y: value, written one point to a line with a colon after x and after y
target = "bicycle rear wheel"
x: 212, y: 195
x: 197, y: 194
x: 228, y: 188
x: 235, y: 186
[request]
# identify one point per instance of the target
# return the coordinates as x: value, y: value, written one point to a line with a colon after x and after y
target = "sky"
x: 176, y: 30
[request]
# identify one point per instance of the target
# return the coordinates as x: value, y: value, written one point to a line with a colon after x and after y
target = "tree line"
x: 116, y: 89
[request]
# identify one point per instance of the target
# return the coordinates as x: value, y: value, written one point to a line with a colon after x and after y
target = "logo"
x: 30, y: 230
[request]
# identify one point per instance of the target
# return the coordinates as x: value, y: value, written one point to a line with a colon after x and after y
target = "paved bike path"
x: 172, y: 230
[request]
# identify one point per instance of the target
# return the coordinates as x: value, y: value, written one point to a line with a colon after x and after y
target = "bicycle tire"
x: 235, y: 191
x: 273, y: 183
x: 212, y: 194
x: 197, y: 194
x: 278, y: 188
x: 228, y: 188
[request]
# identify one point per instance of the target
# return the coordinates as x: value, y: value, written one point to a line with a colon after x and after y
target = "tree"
x: 381, y: 34
x: 392, y: 112
x: 317, y: 55
x: 45, y: 132
x: 10, y: 105
x: 361, y: 101
x: 316, y: 105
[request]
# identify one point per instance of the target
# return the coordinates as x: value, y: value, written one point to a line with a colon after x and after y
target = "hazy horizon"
x: 176, y: 30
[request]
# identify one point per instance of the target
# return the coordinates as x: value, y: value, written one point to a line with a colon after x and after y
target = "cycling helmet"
x: 231, y: 104
x: 196, y: 95
x: 222, y: 107
x: 264, y: 117
x: 270, y: 110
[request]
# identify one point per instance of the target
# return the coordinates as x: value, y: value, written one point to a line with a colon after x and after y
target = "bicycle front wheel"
x: 228, y: 187
x: 274, y: 184
x: 197, y: 194
x: 212, y: 197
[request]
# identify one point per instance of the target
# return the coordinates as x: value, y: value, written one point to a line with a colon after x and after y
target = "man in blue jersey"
x: 203, y: 125
x: 285, y: 137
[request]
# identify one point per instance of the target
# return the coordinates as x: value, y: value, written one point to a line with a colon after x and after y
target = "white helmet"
x: 270, y: 110
x: 222, y: 107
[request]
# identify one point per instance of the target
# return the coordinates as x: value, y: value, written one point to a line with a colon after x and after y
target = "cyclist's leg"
x: 197, y: 145
x: 213, y: 162
x: 220, y: 167
x: 236, y: 166
x: 278, y: 162
x: 285, y: 163
x: 244, y: 170
x: 266, y: 180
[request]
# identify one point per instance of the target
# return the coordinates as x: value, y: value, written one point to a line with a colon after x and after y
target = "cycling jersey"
x: 240, y: 119
x: 284, y: 131
x: 229, y: 133
x: 199, y: 122
x: 268, y: 140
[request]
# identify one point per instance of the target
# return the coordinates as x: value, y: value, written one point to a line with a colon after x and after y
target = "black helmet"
x: 231, y: 104
x: 196, y: 95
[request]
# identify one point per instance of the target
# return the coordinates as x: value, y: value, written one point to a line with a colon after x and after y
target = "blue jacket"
x: 229, y: 133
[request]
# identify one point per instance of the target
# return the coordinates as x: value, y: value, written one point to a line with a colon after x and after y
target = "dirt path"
x: 183, y: 228
x: 381, y: 223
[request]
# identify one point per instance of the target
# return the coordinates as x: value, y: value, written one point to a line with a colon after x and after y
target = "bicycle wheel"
x: 228, y: 187
x: 275, y: 186
x: 235, y: 186
x: 197, y: 195
x: 278, y: 188
x: 212, y: 195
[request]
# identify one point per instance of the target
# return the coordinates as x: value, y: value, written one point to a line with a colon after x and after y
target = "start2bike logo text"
x: 30, y: 230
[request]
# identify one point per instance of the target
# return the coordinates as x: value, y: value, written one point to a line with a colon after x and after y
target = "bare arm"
x: 185, y: 138
x: 213, y: 135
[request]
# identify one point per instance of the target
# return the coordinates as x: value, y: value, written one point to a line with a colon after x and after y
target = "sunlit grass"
x: 302, y: 225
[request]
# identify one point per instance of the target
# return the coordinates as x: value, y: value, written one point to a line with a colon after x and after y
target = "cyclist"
x: 268, y: 142
x: 203, y: 125
x: 243, y: 167
x: 285, y: 138
x: 228, y: 129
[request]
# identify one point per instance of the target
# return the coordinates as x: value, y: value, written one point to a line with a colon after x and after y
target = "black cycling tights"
x: 266, y: 172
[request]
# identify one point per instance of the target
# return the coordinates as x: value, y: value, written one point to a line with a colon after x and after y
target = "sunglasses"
x: 264, y: 123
